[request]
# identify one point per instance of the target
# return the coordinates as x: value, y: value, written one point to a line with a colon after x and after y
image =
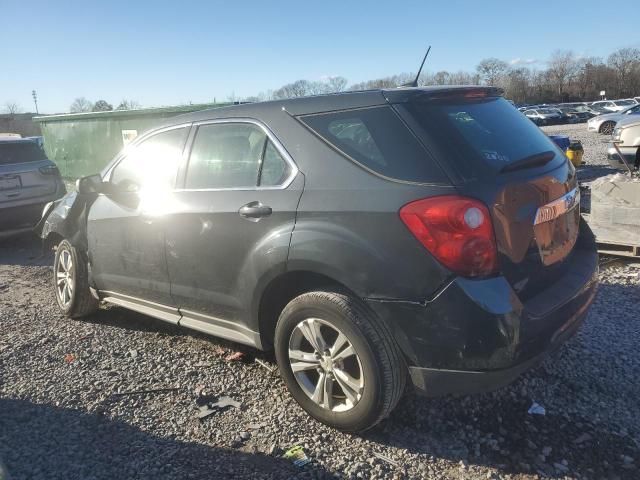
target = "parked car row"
x: 578, y: 112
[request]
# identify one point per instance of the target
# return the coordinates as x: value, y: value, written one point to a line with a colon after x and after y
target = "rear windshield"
x: 472, y: 135
x: 20, y: 152
x: 377, y: 139
x: 624, y: 103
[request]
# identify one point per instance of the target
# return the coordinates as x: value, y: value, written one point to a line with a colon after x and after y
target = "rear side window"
x: 225, y: 155
x: 479, y: 137
x: 20, y: 152
x: 275, y: 170
x: 378, y: 140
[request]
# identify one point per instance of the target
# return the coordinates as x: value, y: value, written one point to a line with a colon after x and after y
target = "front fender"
x: 67, y: 218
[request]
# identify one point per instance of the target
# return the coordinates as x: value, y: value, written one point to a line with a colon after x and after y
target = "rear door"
x: 497, y: 156
x: 231, y: 225
x: 125, y: 227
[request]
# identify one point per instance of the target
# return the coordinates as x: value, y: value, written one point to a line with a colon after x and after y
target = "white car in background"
x: 615, y: 105
x: 627, y: 136
x: 606, y: 123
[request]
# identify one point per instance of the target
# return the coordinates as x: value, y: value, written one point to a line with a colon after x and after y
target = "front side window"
x: 152, y: 163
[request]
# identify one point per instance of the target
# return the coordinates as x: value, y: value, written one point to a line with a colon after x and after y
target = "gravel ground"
x: 67, y: 409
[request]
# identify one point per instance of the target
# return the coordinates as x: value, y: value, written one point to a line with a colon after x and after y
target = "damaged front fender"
x: 66, y: 218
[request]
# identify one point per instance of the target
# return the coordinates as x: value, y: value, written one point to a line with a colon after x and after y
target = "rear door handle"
x: 254, y: 211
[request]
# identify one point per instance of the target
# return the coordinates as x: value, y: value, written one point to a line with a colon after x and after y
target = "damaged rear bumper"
x: 476, y: 335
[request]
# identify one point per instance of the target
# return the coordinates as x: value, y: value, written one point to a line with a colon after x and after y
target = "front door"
x: 231, y: 225
x: 125, y: 225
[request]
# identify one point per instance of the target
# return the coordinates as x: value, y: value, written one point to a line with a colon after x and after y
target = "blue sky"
x: 164, y: 53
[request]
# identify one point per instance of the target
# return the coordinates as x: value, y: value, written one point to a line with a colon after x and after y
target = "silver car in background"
x: 606, y: 123
x: 28, y: 181
x: 614, y: 105
x: 544, y: 116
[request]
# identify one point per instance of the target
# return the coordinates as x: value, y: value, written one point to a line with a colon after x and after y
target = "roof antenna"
x: 415, y: 81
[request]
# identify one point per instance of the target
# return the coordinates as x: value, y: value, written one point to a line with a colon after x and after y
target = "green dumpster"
x: 83, y: 143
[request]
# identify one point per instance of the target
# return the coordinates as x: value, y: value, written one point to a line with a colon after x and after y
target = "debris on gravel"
x: 64, y: 419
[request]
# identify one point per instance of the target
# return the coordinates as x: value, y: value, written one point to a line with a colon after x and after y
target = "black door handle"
x: 255, y: 211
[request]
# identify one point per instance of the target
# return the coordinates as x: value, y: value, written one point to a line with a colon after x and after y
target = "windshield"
x: 546, y: 111
x: 472, y: 135
x: 20, y: 152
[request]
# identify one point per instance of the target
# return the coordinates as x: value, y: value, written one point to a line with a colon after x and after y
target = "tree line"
x: 567, y: 77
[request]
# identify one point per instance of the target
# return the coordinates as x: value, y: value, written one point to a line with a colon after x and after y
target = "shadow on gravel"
x: 591, y: 172
x: 120, y: 317
x: 25, y: 250
x: 42, y: 441
x: 495, y: 430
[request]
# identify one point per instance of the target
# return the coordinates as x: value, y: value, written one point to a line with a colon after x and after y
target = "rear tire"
x: 71, y: 282
x: 607, y: 128
x: 355, y: 384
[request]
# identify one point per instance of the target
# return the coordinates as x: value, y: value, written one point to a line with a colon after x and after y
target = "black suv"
x: 368, y: 237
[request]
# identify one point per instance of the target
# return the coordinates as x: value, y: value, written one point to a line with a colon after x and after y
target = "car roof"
x: 18, y: 140
x: 327, y: 102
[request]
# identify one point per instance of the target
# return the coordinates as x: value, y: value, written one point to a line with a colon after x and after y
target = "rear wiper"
x: 535, y: 160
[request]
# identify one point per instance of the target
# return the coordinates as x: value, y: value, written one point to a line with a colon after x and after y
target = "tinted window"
x: 275, y: 169
x: 226, y: 155
x: 379, y: 140
x: 20, y: 152
x: 475, y: 134
x: 153, y: 163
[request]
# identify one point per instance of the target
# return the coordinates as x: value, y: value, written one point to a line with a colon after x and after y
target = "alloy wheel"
x: 326, y: 365
x: 607, y: 128
x: 64, y: 277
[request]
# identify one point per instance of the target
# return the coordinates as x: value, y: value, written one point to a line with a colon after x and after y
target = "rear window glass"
x: 20, y: 152
x: 475, y: 134
x: 378, y: 140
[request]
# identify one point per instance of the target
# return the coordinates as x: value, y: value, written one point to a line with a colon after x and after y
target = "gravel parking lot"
x: 69, y: 407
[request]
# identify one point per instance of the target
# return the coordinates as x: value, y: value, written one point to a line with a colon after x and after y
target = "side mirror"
x: 89, y: 184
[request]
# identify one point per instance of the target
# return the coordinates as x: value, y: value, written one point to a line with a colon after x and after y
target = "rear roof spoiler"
x: 402, y: 95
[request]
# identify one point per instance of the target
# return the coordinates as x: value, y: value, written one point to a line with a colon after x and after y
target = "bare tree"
x: 337, y: 84
x: 491, y: 70
x: 12, y: 108
x: 128, y: 105
x: 562, y: 67
x: 102, y: 106
x: 625, y: 62
x: 299, y: 88
x: 81, y: 104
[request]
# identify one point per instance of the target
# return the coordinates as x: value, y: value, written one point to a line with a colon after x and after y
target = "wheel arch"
x: 284, y: 288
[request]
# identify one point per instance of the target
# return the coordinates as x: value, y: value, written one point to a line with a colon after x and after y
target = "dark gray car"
x: 368, y: 237
x: 28, y: 181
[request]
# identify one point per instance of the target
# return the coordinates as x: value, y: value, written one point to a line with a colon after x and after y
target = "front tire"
x: 339, y: 360
x: 71, y: 282
x: 607, y: 128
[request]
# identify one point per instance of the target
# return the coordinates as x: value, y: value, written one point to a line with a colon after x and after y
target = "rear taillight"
x: 49, y: 170
x: 456, y: 230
